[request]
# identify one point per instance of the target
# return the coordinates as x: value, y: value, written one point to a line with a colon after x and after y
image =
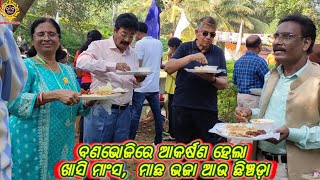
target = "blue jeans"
x: 137, y: 103
x: 100, y: 127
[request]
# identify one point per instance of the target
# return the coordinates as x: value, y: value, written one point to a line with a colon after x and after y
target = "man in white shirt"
x: 149, y: 52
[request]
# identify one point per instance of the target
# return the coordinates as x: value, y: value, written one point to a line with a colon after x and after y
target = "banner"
x: 166, y: 161
x: 153, y: 20
x: 182, y: 24
x: 233, y: 37
x: 239, y: 38
x: 230, y: 51
x: 57, y: 17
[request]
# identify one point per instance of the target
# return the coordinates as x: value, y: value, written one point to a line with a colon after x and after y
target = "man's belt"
x: 120, y: 107
x: 280, y: 158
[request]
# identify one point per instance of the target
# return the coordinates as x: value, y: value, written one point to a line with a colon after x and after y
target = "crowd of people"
x: 43, y: 92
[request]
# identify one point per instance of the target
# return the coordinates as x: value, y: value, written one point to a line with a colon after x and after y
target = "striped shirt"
x: 13, y: 76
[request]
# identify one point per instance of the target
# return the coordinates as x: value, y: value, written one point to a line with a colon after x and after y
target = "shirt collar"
x: 195, y: 47
x: 147, y: 37
x: 251, y: 53
x: 296, y: 74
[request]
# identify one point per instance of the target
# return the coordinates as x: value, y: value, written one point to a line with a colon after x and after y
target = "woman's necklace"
x: 64, y: 79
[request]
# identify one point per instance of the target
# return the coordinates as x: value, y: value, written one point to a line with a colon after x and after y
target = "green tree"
x: 24, y: 6
x: 277, y: 9
x: 76, y: 18
x: 228, y: 13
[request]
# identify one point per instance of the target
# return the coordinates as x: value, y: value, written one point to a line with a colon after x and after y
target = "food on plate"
x: 255, y: 133
x: 206, y: 67
x: 85, y: 91
x: 263, y: 124
x: 242, y: 130
x: 104, y: 90
x: 262, y: 121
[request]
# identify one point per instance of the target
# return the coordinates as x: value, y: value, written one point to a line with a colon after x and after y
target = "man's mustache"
x: 278, y: 49
x: 125, y: 43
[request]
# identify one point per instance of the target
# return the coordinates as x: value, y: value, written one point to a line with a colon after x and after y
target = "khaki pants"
x: 247, y: 100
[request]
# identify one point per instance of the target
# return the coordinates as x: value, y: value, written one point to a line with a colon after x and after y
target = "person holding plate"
x: 149, y: 51
x: 42, y: 120
x: 103, y: 59
x: 85, y: 77
x: 291, y: 97
x: 194, y: 106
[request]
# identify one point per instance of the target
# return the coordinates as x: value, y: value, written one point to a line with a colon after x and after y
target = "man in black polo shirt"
x: 194, y: 107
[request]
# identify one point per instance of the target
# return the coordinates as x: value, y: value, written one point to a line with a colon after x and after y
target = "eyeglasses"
x: 41, y: 35
x: 126, y: 35
x: 206, y: 33
x: 284, y: 37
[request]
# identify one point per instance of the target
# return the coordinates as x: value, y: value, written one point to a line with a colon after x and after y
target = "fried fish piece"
x: 85, y: 91
x: 255, y: 132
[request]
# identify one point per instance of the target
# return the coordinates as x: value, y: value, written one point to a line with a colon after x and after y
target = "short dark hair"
x: 92, y: 35
x: 253, y: 42
x: 62, y: 55
x: 25, y: 46
x: 174, y: 42
x: 142, y: 27
x: 22, y: 50
x: 308, y: 29
x: 127, y: 21
x: 314, y: 56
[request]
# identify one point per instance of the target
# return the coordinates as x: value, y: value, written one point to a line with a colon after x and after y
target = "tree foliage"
x: 228, y: 13
x: 24, y: 6
x: 77, y: 17
x: 277, y: 9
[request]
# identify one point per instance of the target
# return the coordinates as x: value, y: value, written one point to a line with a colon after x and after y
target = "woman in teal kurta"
x: 42, y: 134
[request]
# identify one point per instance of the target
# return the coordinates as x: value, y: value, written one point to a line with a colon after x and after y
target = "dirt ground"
x: 146, y: 133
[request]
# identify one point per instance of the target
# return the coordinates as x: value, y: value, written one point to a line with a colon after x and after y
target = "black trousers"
x: 85, y: 86
x: 171, y: 123
x: 191, y: 124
